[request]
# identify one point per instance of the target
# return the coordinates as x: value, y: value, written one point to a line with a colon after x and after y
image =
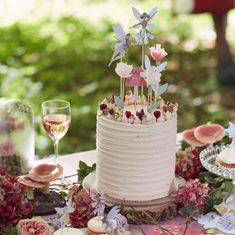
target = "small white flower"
x: 152, y: 78
x: 151, y: 75
x: 123, y: 70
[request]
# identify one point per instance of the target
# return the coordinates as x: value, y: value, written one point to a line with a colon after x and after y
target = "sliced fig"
x: 209, y: 133
x: 188, y: 136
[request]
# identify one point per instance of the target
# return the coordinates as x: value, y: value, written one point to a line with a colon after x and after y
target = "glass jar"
x: 16, y: 136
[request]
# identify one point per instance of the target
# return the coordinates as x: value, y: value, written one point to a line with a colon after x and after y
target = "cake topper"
x: 231, y: 132
x: 144, y: 22
x: 98, y: 203
x: 126, y: 106
x: 124, y: 71
x: 63, y: 213
x: 146, y: 74
x: 122, y: 46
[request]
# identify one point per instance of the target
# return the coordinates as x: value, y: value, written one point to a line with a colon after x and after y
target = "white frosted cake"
x: 136, y: 134
x: 227, y: 157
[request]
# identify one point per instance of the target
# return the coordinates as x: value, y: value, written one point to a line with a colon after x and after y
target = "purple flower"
x: 98, y: 203
x: 122, y: 223
x: 110, y: 217
x: 7, y: 148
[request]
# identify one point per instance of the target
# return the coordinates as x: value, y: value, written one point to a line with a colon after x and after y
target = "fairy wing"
x: 112, y: 213
x: 161, y: 67
x: 151, y: 26
x: 60, y: 210
x: 147, y: 62
x: 152, y: 13
x: 120, y: 34
x: 69, y: 208
x: 136, y: 14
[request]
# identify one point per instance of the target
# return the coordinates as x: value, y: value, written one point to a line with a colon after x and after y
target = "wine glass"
x: 56, y: 118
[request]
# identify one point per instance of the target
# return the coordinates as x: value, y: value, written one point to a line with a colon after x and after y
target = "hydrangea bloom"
x: 83, y: 210
x: 13, y: 202
x: 193, y: 193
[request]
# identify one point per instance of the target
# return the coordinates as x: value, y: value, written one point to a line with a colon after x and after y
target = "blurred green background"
x: 60, y: 50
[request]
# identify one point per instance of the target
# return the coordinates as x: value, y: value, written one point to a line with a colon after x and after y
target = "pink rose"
x: 34, y: 226
x: 157, y: 52
x: 7, y: 148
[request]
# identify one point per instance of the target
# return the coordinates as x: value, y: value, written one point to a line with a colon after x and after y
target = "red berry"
x: 111, y: 111
x: 157, y: 114
x: 128, y: 114
x: 103, y: 106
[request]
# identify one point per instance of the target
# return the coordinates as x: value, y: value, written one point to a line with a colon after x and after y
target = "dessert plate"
x: 209, y: 159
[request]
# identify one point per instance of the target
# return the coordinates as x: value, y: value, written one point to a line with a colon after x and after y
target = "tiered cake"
x: 136, y: 136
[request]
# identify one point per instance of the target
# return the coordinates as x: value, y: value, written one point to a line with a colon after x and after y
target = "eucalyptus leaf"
x: 153, y: 107
x: 118, y: 102
x: 162, y: 89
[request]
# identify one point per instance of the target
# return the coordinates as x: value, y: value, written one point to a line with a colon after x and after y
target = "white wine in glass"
x: 56, y: 118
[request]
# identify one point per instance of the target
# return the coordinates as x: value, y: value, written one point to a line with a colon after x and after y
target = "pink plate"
x: 175, y: 229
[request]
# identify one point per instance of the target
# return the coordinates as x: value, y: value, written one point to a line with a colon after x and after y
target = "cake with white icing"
x: 136, y: 132
x: 226, y: 157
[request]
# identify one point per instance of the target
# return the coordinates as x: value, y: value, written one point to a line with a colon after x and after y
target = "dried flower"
x: 123, y: 70
x: 7, y: 148
x: 33, y: 226
x: 157, y: 52
x: 13, y: 201
x: 83, y: 210
x: 193, y: 193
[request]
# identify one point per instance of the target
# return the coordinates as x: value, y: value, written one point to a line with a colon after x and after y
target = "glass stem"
x: 56, y: 143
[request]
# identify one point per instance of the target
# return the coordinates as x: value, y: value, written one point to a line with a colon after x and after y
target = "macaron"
x: 68, y: 231
x: 96, y: 226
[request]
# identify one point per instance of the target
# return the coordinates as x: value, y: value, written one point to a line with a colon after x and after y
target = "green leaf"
x: 8, y: 230
x: 82, y: 165
x: 84, y: 170
x: 187, y: 211
x: 184, y: 145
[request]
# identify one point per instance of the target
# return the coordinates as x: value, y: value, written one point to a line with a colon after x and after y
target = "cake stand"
x: 208, y: 159
x: 138, y: 212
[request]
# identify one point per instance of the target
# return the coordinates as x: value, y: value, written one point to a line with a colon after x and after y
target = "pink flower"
x: 157, y: 52
x: 7, y: 148
x: 193, y: 193
x: 188, y: 164
x: 35, y: 226
x: 82, y: 204
x: 13, y: 201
